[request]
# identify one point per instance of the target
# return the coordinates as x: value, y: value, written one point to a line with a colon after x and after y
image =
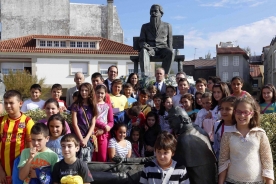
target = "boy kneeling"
x: 164, y: 169
x: 70, y: 164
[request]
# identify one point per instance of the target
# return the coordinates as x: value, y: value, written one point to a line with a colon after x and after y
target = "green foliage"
x: 268, y: 123
x: 22, y: 81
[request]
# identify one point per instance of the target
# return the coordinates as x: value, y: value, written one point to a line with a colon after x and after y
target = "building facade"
x: 269, y: 59
x: 231, y: 61
x: 59, y: 17
x: 58, y: 58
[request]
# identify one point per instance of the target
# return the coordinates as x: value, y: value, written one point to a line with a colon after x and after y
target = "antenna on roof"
x: 195, y: 53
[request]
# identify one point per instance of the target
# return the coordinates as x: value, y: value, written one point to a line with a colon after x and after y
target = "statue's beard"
x: 155, y: 21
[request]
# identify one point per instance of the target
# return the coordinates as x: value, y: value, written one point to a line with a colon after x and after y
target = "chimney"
x: 200, y: 58
x: 109, y: 19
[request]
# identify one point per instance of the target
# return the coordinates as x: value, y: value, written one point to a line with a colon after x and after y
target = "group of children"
x: 132, y: 122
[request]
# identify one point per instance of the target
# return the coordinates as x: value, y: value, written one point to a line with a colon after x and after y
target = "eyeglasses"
x: 245, y: 113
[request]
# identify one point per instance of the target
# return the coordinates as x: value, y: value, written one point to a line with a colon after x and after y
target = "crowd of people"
x: 111, y: 118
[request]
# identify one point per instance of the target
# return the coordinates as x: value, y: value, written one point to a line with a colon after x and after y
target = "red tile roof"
x: 27, y: 44
x: 255, y: 71
x: 232, y: 50
x: 201, y: 62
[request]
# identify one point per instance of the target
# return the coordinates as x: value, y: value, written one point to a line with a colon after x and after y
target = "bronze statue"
x: 156, y: 40
x: 193, y: 149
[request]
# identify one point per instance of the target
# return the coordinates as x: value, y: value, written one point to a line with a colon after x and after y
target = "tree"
x: 208, y: 56
x: 247, y: 50
x: 22, y: 82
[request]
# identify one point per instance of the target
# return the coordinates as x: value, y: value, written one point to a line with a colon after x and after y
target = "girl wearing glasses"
x: 245, y: 155
x: 267, y: 99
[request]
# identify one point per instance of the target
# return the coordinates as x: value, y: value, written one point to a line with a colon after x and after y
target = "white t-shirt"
x: 30, y: 105
x: 176, y: 100
x: 119, y: 150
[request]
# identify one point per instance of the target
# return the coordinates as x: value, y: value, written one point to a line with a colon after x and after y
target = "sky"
x: 204, y: 23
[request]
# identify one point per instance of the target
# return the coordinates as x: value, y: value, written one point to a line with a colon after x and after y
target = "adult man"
x: 160, y: 83
x: 112, y: 73
x: 78, y: 79
x: 156, y: 39
x: 179, y: 76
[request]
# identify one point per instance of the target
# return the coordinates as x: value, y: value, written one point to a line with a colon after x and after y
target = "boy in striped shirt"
x: 15, y: 129
x: 164, y: 169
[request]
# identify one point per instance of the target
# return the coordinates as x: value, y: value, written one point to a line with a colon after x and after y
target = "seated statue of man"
x: 156, y: 40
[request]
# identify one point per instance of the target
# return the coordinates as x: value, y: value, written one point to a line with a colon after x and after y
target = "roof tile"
x: 201, y: 62
x: 28, y: 44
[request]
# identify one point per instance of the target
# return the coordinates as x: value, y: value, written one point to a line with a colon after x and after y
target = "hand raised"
x: 33, y: 152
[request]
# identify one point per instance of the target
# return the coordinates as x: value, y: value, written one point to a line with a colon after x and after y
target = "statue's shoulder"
x: 146, y: 24
x: 166, y: 23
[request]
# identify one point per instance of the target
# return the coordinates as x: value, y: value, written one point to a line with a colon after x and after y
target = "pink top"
x: 66, y: 124
x: 243, y: 93
x: 105, y: 116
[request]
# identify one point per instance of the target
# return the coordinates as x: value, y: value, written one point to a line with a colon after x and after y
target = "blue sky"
x: 204, y: 23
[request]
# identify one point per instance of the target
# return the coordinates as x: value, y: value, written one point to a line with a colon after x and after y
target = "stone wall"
x: 57, y: 17
x: 26, y: 17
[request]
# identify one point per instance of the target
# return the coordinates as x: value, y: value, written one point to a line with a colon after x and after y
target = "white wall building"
x: 58, y: 58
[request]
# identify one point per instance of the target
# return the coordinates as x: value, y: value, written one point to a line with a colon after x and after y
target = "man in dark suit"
x: 156, y: 40
x: 160, y: 80
x: 112, y: 73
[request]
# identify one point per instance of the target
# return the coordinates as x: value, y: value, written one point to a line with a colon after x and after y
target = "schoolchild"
x: 84, y: 113
x: 267, y: 99
x: 165, y: 126
x: 57, y: 129
x: 38, y: 156
x: 152, y: 130
x: 219, y: 91
x: 51, y: 107
x: 104, y: 123
x: 118, y: 145
x: 34, y: 103
x: 128, y: 91
x: 118, y: 101
x: 164, y: 169
x: 187, y: 103
x: 245, y: 154
x: 96, y: 79
x: 201, y: 85
x: 143, y: 98
x: 183, y: 87
x: 157, y: 100
x: 152, y: 89
x: 236, y: 85
x: 13, y: 124
x: 56, y: 92
x: 70, y: 164
x: 198, y: 98
x: 136, y: 141
x: 226, y: 122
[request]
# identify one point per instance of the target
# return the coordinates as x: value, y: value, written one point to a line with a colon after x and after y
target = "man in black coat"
x: 156, y: 40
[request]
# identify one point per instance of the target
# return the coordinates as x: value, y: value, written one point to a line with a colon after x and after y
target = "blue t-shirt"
x: 270, y: 109
x: 55, y: 146
x: 130, y: 101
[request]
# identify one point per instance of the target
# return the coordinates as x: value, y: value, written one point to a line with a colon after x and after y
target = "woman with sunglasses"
x: 267, y: 99
x: 245, y: 154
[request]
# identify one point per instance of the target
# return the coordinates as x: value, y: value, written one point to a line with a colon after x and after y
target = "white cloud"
x: 178, y: 17
x: 223, y: 3
x: 255, y: 35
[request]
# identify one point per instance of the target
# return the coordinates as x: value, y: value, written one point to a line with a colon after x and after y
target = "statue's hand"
x: 117, y: 159
x: 147, y: 159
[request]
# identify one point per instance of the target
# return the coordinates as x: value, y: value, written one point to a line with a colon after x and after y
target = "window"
x: 72, y: 44
x: 49, y: 43
x: 225, y: 76
x: 92, y: 45
x: 85, y: 44
x: 79, y: 44
x: 56, y: 43
x: 235, y: 60
x: 62, y: 44
x: 5, y: 71
x: 130, y: 68
x: 103, y: 67
x: 225, y: 61
x: 42, y: 43
x: 255, y: 83
x: 79, y: 67
x: 236, y: 74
